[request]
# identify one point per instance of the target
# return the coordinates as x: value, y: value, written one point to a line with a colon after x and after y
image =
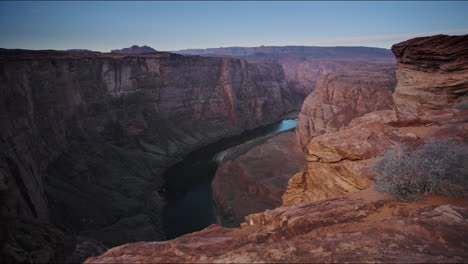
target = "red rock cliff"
x: 432, y: 72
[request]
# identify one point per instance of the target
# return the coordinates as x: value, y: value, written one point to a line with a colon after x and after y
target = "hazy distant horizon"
x: 173, y: 26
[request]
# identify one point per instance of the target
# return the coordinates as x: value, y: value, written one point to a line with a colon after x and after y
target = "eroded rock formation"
x: 85, y: 137
x: 255, y: 180
x: 432, y: 72
x: 340, y: 97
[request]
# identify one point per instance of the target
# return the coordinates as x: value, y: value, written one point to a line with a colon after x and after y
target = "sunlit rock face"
x: 86, y: 137
x: 432, y: 72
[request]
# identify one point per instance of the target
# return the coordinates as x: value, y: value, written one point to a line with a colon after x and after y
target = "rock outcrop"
x: 135, y: 49
x: 338, y: 161
x: 432, y: 72
x: 255, y: 180
x: 340, y: 97
x: 347, y: 229
x: 86, y: 137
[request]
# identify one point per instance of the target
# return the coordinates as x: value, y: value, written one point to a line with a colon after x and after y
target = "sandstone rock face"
x: 303, y: 66
x: 255, y: 181
x: 338, y: 163
x: 432, y: 72
x: 347, y: 229
x: 85, y: 136
x: 340, y: 97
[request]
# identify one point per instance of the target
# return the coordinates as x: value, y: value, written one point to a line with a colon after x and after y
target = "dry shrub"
x: 439, y: 166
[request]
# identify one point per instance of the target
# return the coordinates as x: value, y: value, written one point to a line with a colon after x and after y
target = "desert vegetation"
x: 437, y: 167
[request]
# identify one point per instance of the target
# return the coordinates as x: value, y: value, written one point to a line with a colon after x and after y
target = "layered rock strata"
x: 85, y: 137
x: 432, y: 72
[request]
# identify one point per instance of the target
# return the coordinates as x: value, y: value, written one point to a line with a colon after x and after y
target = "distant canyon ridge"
x: 302, y: 65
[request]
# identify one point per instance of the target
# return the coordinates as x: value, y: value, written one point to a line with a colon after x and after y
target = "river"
x: 190, y: 206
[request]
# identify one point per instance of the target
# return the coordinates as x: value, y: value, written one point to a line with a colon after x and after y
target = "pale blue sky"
x: 103, y: 26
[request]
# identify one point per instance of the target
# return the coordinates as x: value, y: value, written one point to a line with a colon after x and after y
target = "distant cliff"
x: 85, y: 136
x: 316, y: 52
x: 303, y: 66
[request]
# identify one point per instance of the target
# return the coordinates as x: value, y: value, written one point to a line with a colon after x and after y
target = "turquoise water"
x: 286, y: 124
x: 190, y: 206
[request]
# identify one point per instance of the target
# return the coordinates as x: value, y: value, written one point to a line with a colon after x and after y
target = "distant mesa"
x: 135, y: 49
x: 81, y: 50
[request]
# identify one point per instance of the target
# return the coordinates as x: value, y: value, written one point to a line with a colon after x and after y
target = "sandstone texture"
x: 85, y: 137
x: 346, y: 229
x: 340, y: 97
x: 432, y: 72
x: 303, y: 66
x: 255, y: 181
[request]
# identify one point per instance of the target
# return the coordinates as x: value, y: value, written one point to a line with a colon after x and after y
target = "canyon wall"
x: 303, y: 66
x: 340, y: 97
x: 86, y: 137
x: 429, y: 80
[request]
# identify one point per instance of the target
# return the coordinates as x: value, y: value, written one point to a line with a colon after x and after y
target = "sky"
x: 165, y: 25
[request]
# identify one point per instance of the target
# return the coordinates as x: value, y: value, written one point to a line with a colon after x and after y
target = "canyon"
x: 86, y: 138
x: 329, y: 211
x: 96, y: 148
x: 303, y: 66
